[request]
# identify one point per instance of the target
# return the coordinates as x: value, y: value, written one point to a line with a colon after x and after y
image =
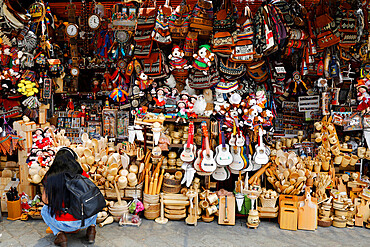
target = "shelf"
x: 176, y: 145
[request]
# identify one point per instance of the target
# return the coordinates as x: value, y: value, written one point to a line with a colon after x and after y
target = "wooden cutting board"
x: 307, y: 216
x: 230, y: 211
x: 288, y: 218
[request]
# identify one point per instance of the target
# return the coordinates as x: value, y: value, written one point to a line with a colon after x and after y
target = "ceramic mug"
x: 333, y: 139
x: 318, y: 126
x: 345, y: 161
x: 212, y: 209
x: 354, y: 159
x: 335, y: 150
x: 361, y: 151
x: 338, y: 159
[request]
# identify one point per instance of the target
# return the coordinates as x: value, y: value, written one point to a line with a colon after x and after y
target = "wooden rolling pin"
x: 146, y: 188
x: 255, y: 176
x: 160, y: 181
x: 155, y: 184
x: 151, y: 186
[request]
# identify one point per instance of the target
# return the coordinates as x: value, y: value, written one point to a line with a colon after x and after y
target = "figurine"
x: 181, y: 111
x: 203, y: 59
x: 363, y: 96
x: 70, y: 105
x: 143, y: 81
x: 160, y: 99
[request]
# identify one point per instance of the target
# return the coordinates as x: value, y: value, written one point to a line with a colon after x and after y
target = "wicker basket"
x: 268, y: 203
x: 171, y: 186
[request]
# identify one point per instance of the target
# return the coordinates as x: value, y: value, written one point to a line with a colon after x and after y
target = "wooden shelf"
x: 176, y: 145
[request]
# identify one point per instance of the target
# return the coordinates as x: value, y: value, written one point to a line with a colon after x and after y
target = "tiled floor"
x: 32, y: 233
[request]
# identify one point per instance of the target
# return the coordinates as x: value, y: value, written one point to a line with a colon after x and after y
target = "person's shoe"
x: 90, y: 234
x: 61, y: 239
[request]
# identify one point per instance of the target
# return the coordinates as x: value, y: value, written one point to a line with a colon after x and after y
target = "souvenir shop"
x: 191, y: 110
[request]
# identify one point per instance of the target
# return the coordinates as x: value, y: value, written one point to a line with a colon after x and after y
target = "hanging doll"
x: 181, y: 111
x: 363, y: 96
x: 70, y: 105
x: 203, y: 59
x: 160, y: 99
x: 143, y: 81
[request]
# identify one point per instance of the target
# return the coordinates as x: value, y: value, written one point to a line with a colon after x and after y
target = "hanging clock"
x: 94, y: 21
x: 75, y: 71
x: 122, y: 36
x: 134, y: 103
x: 72, y: 30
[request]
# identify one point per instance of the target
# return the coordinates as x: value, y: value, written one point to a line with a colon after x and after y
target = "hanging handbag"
x: 197, y: 79
x: 325, y: 25
x: 155, y: 66
x: 232, y: 69
x: 191, y: 44
x: 143, y: 49
x: 147, y: 15
x: 243, y: 52
x: 161, y: 32
x: 179, y: 21
x: 246, y: 27
x: 258, y: 71
x: 224, y: 19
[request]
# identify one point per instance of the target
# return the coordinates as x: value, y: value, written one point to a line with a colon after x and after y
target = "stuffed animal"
x: 181, y: 111
x: 143, y: 81
x: 160, y: 99
x: 203, y: 59
x: 177, y: 59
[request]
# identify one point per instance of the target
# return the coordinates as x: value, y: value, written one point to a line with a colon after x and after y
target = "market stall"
x: 191, y: 111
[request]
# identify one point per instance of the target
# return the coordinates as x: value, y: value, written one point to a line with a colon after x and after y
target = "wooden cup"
x: 345, y: 161
x: 14, y: 210
x: 354, y: 159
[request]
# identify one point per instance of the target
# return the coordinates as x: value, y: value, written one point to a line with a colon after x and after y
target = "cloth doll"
x: 160, y: 99
x: 177, y: 60
x: 181, y: 111
x: 363, y: 96
x: 143, y: 81
x: 203, y: 59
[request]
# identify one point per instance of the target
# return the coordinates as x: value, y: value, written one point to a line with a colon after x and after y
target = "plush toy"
x: 203, y: 59
x: 177, y: 59
x: 118, y: 94
x: 190, y: 106
x: 143, y: 81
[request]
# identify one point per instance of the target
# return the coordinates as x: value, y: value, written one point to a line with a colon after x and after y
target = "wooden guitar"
x: 238, y: 162
x: 188, y: 154
x: 260, y: 157
x: 208, y: 163
x: 240, y: 140
x: 221, y: 173
x: 223, y: 156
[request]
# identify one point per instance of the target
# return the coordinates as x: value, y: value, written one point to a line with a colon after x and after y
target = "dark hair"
x: 65, y: 161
